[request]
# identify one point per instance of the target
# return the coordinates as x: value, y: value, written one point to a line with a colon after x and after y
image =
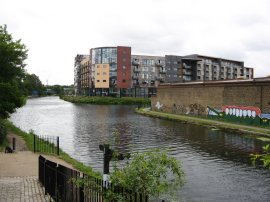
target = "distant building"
x: 114, y: 71
x: 202, y: 68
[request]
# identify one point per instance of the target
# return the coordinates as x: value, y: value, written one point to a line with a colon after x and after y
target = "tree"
x: 12, y: 57
x: 31, y: 82
x: 153, y: 173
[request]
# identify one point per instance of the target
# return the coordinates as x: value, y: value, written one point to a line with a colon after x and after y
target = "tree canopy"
x: 12, y: 62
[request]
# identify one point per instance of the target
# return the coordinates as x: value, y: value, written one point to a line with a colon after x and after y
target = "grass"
x: 107, y: 100
x: 208, y: 122
x: 28, y: 137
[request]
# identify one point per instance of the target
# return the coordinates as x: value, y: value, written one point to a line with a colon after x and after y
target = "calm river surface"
x: 216, y: 163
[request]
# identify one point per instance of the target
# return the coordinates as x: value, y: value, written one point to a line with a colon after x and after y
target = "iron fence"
x: 65, y: 184
x: 46, y: 144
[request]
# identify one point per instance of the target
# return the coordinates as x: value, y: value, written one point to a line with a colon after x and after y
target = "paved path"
x: 19, y: 174
x: 21, y: 189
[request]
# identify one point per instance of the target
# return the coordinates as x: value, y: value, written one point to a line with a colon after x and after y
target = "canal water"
x: 216, y: 163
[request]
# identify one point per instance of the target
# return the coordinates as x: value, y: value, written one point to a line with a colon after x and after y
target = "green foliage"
x: 12, y: 57
x: 153, y: 173
x: 31, y: 82
x: 264, y: 157
x: 107, y: 100
x: 3, y: 132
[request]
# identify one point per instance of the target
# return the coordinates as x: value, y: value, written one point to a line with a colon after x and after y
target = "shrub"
x: 3, y: 132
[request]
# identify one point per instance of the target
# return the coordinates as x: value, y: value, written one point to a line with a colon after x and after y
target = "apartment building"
x: 202, y: 68
x: 147, y: 73
x: 78, y: 72
x: 114, y: 71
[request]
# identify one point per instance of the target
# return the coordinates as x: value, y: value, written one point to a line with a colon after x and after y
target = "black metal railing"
x: 46, y: 144
x: 64, y: 184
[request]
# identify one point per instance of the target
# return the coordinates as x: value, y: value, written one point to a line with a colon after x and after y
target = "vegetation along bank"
x: 107, y: 100
x: 214, y: 124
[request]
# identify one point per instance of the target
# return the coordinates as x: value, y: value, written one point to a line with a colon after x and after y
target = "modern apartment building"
x: 114, y: 71
x: 200, y: 68
x: 78, y: 73
x: 147, y: 73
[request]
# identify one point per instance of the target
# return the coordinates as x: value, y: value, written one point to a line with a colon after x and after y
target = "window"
x: 104, y: 66
x: 124, y: 67
x: 97, y: 66
x: 175, y: 69
x: 124, y: 81
x: 104, y: 80
x: 98, y: 73
x: 97, y: 80
x: 124, y: 59
x: 104, y: 73
x: 175, y: 62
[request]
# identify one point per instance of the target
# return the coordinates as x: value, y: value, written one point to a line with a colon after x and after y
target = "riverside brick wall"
x: 193, y: 98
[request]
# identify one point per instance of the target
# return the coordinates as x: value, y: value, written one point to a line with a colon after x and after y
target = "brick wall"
x: 193, y: 98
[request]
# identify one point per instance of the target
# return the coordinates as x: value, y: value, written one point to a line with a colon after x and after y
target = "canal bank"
x: 214, y: 124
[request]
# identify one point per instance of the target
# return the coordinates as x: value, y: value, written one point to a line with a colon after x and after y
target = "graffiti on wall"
x: 241, y: 111
x: 243, y: 114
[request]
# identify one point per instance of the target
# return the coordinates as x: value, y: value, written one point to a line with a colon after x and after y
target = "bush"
x: 3, y: 132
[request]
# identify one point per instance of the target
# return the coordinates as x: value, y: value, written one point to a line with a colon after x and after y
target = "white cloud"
x: 55, y: 31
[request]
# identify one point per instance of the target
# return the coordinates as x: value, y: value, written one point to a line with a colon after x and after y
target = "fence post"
x: 13, y: 144
x: 58, y: 145
x: 34, y: 143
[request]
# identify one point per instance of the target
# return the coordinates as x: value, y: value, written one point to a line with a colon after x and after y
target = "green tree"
x: 12, y: 56
x: 31, y: 82
x: 152, y: 173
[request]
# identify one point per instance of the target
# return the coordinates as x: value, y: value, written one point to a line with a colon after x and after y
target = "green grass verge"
x: 107, y: 100
x: 204, y: 121
x: 28, y: 137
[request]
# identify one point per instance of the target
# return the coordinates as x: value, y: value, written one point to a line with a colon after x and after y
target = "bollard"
x: 13, y: 144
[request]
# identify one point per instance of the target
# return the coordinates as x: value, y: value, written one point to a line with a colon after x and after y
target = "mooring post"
x: 58, y: 145
x: 14, y: 143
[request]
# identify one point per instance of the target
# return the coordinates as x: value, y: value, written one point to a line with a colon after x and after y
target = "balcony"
x: 162, y: 71
x: 136, y: 70
x: 135, y: 63
x: 185, y: 66
x: 158, y: 78
x: 135, y: 77
x: 159, y: 64
x: 187, y: 72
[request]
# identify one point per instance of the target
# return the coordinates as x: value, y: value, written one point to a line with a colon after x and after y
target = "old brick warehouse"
x: 194, y: 97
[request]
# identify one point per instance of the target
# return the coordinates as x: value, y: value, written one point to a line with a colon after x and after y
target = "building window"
x: 175, y: 62
x: 104, y: 80
x: 175, y: 69
x: 97, y: 66
x: 97, y: 80
x: 104, y: 73
x: 98, y: 73
x: 124, y: 81
x: 124, y: 67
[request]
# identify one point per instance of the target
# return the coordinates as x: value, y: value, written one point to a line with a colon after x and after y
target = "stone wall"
x: 193, y: 98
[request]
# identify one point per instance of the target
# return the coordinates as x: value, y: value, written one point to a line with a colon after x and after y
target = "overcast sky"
x: 55, y: 31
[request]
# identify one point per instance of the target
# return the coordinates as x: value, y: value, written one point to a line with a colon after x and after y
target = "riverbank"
x: 231, y: 127
x: 29, y: 141
x: 106, y: 100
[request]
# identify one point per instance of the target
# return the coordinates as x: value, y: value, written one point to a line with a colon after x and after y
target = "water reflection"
x: 216, y: 163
